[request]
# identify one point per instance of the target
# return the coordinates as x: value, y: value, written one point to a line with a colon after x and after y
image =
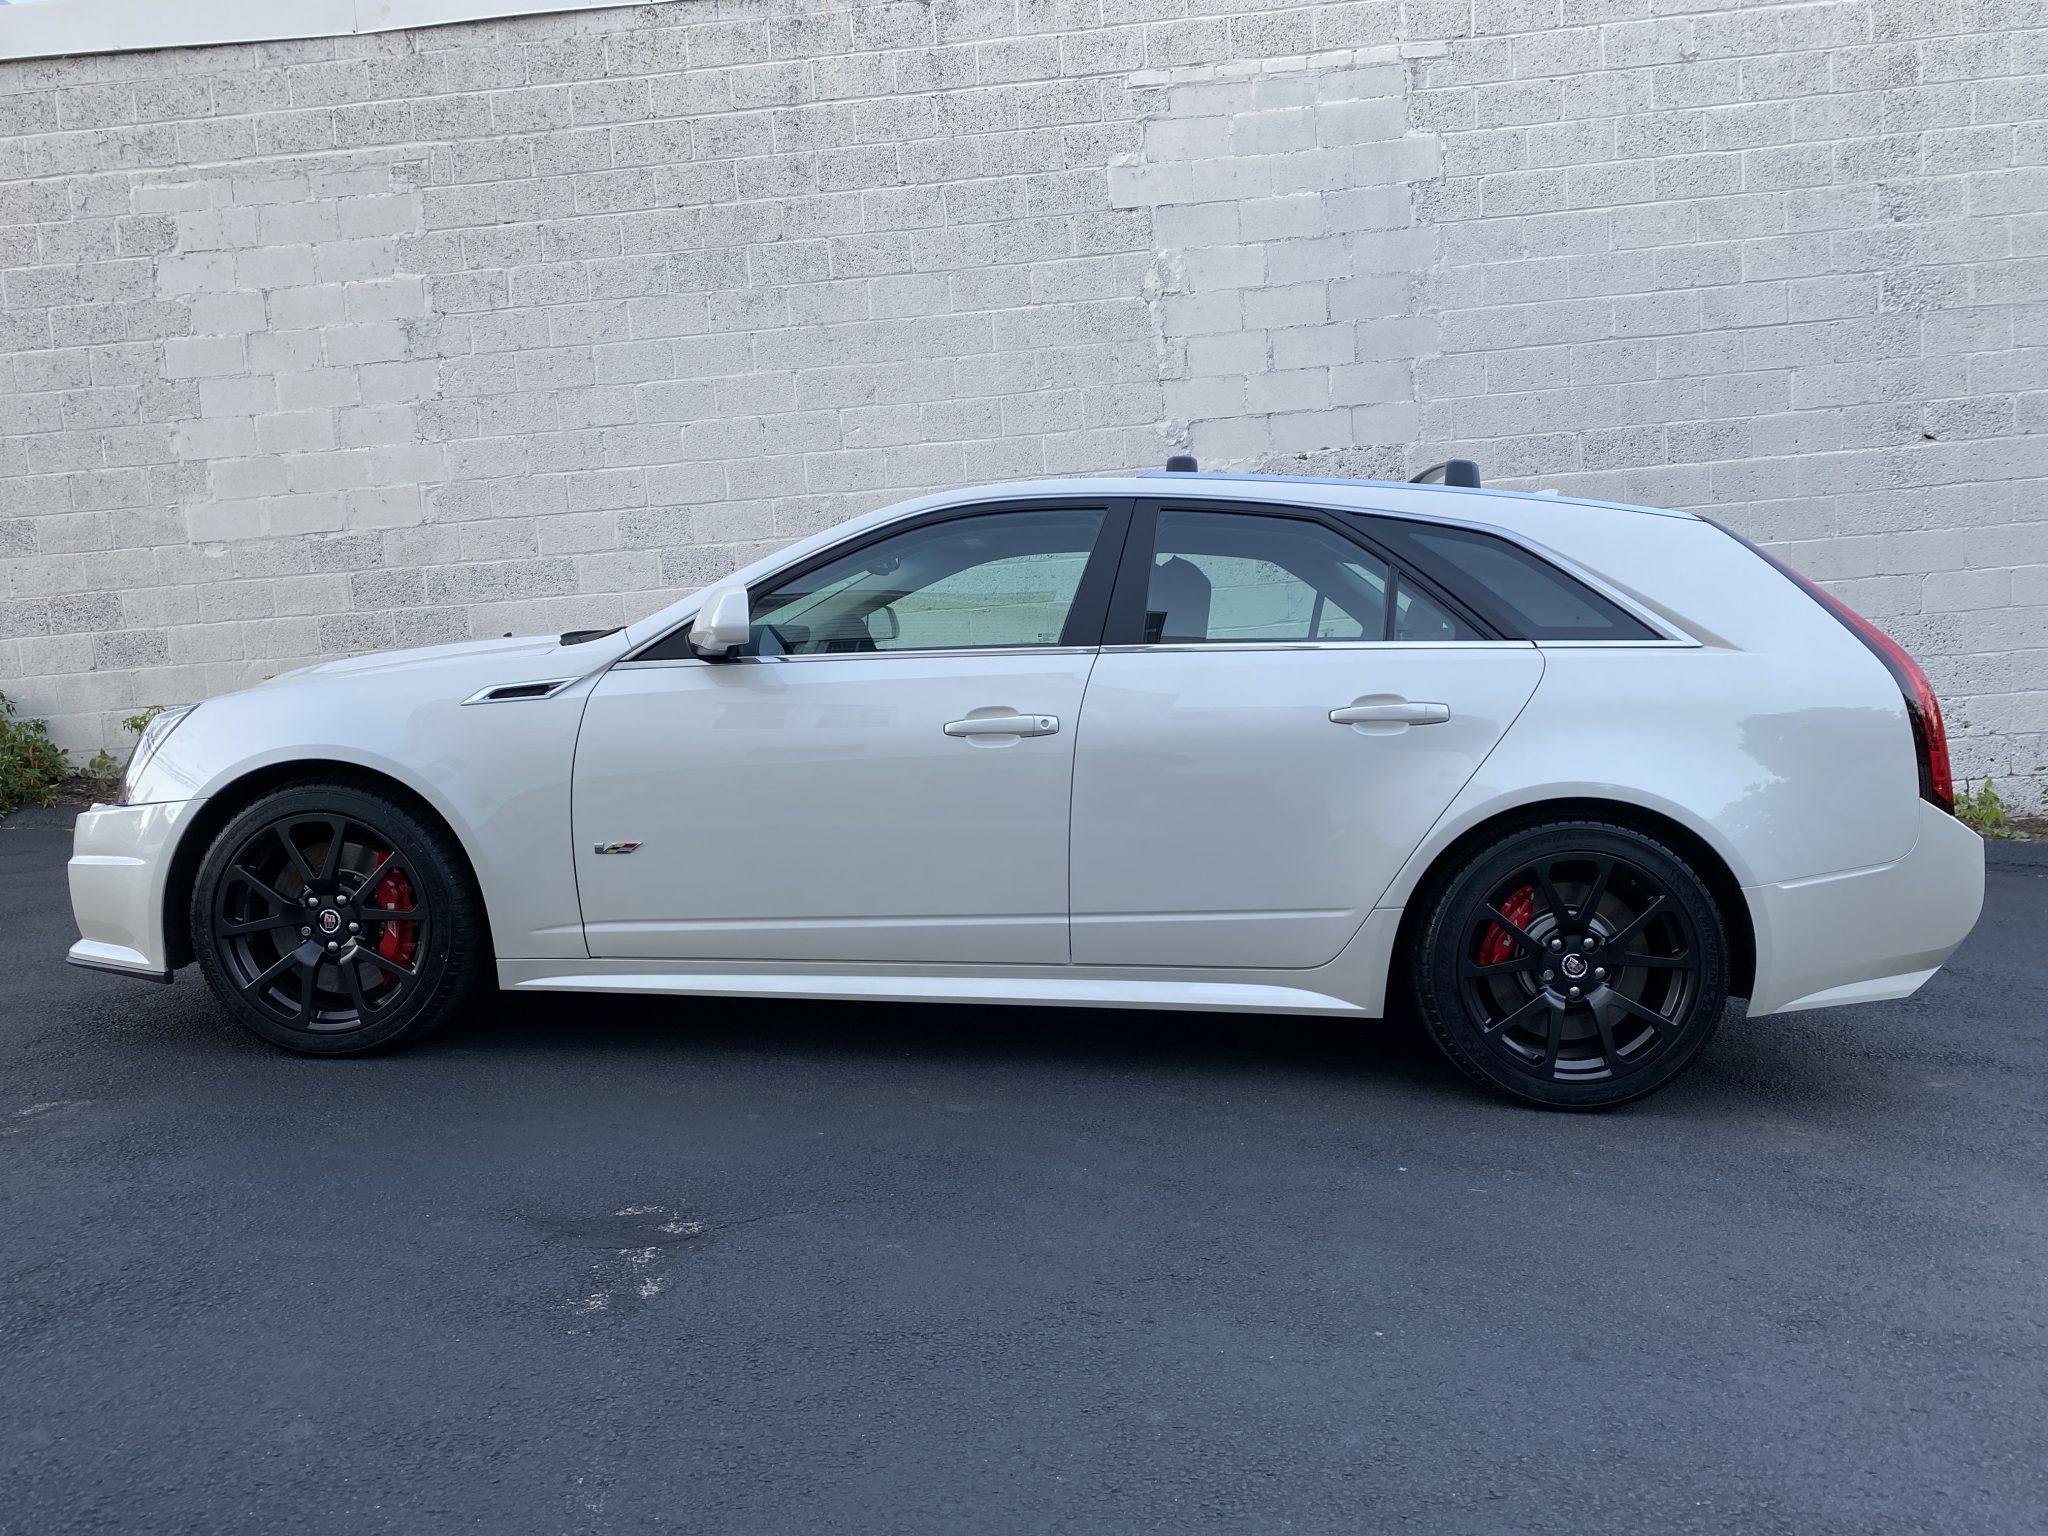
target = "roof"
x: 1519, y: 509
x: 1400, y: 485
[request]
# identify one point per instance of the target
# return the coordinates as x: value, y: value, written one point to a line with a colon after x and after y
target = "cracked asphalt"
x: 599, y: 1265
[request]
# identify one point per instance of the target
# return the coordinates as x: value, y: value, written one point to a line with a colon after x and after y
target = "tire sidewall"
x: 448, y: 928
x: 1440, y: 997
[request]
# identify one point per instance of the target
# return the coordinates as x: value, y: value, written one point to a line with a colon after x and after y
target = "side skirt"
x: 1236, y: 997
x: 1353, y: 984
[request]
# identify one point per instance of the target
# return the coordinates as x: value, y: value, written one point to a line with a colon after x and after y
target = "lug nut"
x: 1573, y: 993
x: 312, y: 900
x: 353, y: 927
x: 332, y: 946
x: 1550, y: 975
x: 1557, y: 943
x: 1586, y: 943
x: 1599, y: 973
x: 305, y: 933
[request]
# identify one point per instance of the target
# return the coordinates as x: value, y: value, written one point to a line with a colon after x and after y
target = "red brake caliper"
x: 1498, y: 944
x: 397, y: 941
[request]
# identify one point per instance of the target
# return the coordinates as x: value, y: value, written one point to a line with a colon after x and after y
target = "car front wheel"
x: 332, y: 920
x: 1572, y: 964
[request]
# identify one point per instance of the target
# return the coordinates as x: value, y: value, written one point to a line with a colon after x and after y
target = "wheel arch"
x: 1683, y: 840
x: 229, y: 799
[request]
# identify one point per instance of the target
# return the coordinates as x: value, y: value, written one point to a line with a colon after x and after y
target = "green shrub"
x: 106, y: 770
x: 103, y: 770
x: 31, y: 765
x: 1985, y: 812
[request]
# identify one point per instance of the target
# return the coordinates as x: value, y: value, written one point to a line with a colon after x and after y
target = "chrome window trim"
x: 1192, y: 647
x: 778, y: 661
x: 1180, y: 647
x: 1662, y: 644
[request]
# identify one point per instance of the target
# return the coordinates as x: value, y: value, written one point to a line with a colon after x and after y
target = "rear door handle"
x: 1004, y: 725
x: 1391, y: 714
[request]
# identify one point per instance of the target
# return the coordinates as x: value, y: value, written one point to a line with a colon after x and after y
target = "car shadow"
x: 1820, y: 1065
x: 1390, y: 1051
x: 1751, y: 1067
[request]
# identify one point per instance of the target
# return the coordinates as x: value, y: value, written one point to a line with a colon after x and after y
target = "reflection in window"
x: 1221, y: 577
x: 998, y: 579
x: 1522, y: 593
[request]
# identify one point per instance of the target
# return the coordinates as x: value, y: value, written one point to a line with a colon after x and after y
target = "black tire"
x: 1514, y: 966
x: 290, y: 929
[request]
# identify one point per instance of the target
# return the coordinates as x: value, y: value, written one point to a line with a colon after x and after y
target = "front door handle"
x: 1004, y: 725
x: 1402, y: 713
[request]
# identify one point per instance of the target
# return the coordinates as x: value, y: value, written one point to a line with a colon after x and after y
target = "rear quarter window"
x: 1518, y: 592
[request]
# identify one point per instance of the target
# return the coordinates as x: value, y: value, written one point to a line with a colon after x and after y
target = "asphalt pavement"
x: 602, y: 1265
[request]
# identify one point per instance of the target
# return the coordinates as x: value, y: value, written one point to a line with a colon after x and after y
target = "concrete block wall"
x: 1278, y: 195
x: 322, y: 346
x: 1786, y: 265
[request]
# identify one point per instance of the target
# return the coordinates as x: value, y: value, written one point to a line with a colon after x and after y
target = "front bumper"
x: 120, y: 861
x: 1867, y: 935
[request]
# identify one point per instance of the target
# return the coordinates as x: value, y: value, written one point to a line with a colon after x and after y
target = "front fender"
x: 496, y: 773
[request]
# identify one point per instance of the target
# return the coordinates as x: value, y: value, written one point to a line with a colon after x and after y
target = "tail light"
x: 1930, y: 737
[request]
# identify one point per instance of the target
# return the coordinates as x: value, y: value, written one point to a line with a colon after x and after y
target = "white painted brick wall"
x: 330, y: 345
x: 1785, y: 264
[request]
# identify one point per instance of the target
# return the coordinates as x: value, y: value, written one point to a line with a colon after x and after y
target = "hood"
x: 496, y: 658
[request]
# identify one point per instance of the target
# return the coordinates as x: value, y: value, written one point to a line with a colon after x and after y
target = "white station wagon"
x: 1564, y: 775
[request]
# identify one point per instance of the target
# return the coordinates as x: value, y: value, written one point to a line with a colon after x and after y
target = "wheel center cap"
x: 1573, y: 966
x: 330, y: 921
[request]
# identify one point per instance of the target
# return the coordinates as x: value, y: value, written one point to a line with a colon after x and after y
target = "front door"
x: 1279, y: 715
x: 883, y: 774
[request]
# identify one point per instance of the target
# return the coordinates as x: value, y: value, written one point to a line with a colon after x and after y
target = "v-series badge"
x: 617, y: 847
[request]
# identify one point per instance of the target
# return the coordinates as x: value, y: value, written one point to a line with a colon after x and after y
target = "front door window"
x: 998, y: 580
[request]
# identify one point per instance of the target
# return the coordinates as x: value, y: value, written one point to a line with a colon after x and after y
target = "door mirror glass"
x: 722, y: 624
x: 884, y: 626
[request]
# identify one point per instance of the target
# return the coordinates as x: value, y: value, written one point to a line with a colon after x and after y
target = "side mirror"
x: 723, y: 623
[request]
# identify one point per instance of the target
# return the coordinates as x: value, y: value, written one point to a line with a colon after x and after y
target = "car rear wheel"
x: 1573, y: 964
x: 332, y: 920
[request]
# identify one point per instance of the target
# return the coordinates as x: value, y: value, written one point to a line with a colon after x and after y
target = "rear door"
x: 1280, y: 712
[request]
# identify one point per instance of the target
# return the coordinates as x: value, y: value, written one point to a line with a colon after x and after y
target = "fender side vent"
x: 511, y: 693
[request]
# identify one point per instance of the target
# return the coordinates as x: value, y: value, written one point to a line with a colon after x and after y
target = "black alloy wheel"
x: 1574, y: 965
x: 332, y: 920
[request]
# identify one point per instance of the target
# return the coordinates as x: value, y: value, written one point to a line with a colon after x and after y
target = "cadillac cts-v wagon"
x: 1565, y: 776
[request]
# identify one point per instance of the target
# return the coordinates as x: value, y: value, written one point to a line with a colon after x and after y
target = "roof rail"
x: 1458, y: 472
x: 1462, y: 474
x: 1454, y: 481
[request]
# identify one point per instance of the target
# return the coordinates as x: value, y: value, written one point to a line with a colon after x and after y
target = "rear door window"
x: 1226, y: 578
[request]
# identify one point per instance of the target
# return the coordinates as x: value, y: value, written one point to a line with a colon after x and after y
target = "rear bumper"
x: 1867, y: 935
x: 120, y: 858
